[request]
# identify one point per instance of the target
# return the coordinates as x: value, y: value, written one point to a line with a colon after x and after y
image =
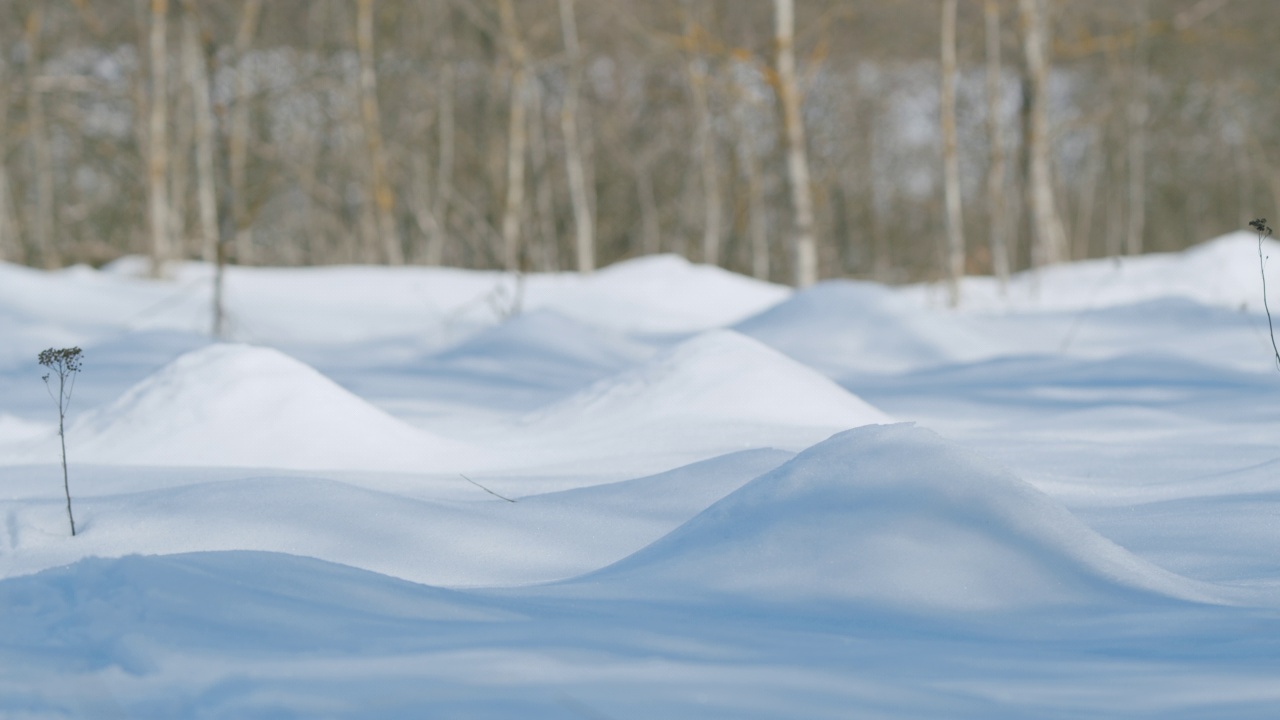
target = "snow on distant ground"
x: 716, y: 393
x: 237, y: 405
x: 894, y: 516
x: 659, y: 491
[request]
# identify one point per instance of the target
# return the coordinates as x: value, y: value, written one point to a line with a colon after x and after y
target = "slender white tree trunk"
x: 9, y: 239
x: 1137, y: 116
x: 996, y: 202
x: 384, y: 199
x: 950, y: 160
x: 516, y: 140
x: 650, y: 225
x: 158, y: 141
x: 238, y: 141
x: 1050, y: 237
x: 583, y: 221
x: 803, y: 242
x: 545, y: 256
x: 712, y: 204
x: 41, y: 151
x: 206, y: 184
x: 444, y: 165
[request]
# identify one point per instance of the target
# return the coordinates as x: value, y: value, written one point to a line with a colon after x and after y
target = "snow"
x: 894, y: 516
x: 242, y: 406
x: 661, y: 490
x: 715, y: 393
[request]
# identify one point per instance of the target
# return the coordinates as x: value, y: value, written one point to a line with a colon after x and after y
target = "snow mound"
x: 841, y: 324
x: 895, y: 516
x: 547, y: 345
x: 717, y: 379
x: 658, y: 294
x: 243, y: 406
x: 101, y: 609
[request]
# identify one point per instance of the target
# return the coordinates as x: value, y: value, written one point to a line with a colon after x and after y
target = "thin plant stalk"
x: 66, y: 364
x: 1264, y: 231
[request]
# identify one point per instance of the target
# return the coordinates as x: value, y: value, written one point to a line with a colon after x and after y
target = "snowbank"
x: 242, y: 406
x: 893, y: 516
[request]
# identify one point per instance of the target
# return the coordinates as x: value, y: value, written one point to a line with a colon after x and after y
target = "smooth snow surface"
x: 718, y: 392
x: 895, y: 516
x: 242, y: 406
x: 661, y: 490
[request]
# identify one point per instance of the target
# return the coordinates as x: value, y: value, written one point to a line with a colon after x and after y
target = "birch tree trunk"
x: 1050, y: 237
x: 950, y: 161
x: 545, y: 257
x: 444, y: 163
x: 206, y: 181
x: 10, y: 241
x: 757, y: 217
x: 1137, y: 116
x: 516, y: 141
x: 238, y: 141
x: 41, y: 152
x: 650, y: 225
x: 996, y: 202
x: 583, y: 221
x: 803, y: 242
x: 180, y: 163
x: 384, y: 198
x: 158, y: 141
x: 712, y: 203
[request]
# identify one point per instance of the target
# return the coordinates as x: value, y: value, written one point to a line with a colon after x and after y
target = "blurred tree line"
x: 549, y: 134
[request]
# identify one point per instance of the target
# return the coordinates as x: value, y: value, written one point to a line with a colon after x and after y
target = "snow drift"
x: 545, y: 346
x: 893, y: 516
x: 714, y: 393
x: 720, y: 375
x: 841, y: 324
x: 242, y: 406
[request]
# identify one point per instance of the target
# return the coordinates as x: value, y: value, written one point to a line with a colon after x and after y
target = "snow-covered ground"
x: 661, y: 491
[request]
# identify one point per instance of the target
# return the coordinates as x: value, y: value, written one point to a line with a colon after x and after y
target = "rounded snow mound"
x: 545, y: 343
x: 659, y: 294
x: 243, y: 406
x: 894, y: 516
x: 717, y: 378
x: 842, y: 324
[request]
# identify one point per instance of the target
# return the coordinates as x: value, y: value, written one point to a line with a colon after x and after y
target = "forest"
x: 894, y: 140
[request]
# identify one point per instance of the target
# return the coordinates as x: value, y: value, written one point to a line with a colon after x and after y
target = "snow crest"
x: 894, y: 516
x: 721, y: 377
x: 242, y: 406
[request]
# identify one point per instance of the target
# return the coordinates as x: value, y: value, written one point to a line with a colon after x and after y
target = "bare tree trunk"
x: 712, y: 204
x: 1050, y: 237
x: 516, y: 140
x: 180, y: 166
x: 41, y: 152
x: 206, y: 180
x: 384, y: 198
x: 806, y: 247
x: 996, y: 202
x: 158, y: 141
x: 545, y: 259
x: 1137, y: 117
x: 950, y: 161
x: 650, y: 226
x: 1088, y: 197
x: 583, y: 222
x: 749, y: 159
x: 420, y: 205
x: 10, y: 241
x: 444, y: 164
x: 757, y: 217
x: 238, y: 141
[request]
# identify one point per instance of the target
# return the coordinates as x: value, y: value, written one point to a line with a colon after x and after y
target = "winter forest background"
x: 524, y: 133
